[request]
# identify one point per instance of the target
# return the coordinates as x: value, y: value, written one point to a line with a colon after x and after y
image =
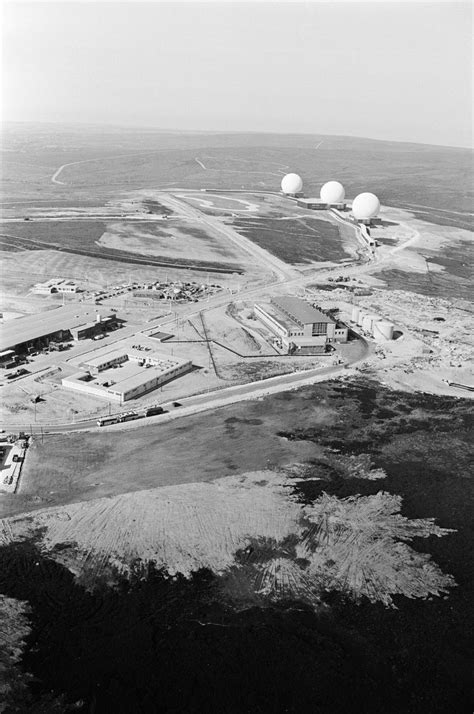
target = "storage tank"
x: 355, y: 314
x: 368, y: 323
x: 360, y: 319
x: 385, y: 329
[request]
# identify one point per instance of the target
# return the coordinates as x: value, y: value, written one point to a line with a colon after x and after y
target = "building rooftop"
x: 280, y: 317
x: 31, y: 327
x: 313, y: 200
x: 133, y: 378
x: 129, y: 375
x: 105, y: 357
x: 301, y: 310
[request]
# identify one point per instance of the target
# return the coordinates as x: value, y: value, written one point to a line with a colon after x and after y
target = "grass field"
x: 81, y: 237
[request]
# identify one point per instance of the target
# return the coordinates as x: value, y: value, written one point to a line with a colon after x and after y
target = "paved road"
x: 284, y: 275
x: 209, y: 400
x: 282, y: 270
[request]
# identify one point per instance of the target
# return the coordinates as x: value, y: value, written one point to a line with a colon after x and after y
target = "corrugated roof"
x: 31, y: 327
x: 300, y: 310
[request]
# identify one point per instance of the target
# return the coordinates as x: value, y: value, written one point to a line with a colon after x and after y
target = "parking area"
x: 11, y: 460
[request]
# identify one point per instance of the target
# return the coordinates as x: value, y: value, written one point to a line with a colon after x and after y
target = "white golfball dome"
x: 365, y: 206
x: 291, y: 183
x: 332, y: 192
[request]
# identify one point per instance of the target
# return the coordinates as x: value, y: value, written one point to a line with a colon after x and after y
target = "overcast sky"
x: 383, y: 70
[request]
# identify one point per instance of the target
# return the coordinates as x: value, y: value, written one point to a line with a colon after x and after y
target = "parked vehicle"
x: 151, y: 411
x: 105, y: 421
x: 129, y: 416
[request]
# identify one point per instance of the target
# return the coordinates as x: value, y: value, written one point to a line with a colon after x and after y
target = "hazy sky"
x: 378, y: 69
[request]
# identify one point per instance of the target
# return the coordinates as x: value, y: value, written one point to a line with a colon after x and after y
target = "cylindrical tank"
x: 385, y: 329
x: 291, y: 184
x: 360, y: 319
x: 368, y: 323
x: 355, y: 314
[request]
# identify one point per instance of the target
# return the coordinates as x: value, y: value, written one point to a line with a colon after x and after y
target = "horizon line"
x: 162, y: 130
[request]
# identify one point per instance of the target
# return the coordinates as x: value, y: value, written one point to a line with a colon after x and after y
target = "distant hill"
x: 434, y: 181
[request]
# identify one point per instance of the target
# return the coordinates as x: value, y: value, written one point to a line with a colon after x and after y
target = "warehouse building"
x: 120, y: 375
x: 300, y: 326
x: 63, y: 323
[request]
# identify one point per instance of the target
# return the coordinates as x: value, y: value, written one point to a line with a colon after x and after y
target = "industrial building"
x: 75, y: 322
x: 123, y: 374
x: 7, y: 359
x: 55, y: 285
x: 300, y: 326
x: 316, y: 204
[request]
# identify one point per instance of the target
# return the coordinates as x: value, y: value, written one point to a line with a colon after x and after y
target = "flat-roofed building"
x: 7, y: 358
x: 299, y: 324
x: 120, y: 375
x: 69, y: 322
x: 314, y: 204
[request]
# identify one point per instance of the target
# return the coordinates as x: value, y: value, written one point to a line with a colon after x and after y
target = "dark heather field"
x: 181, y: 643
x: 311, y: 240
x: 454, y: 282
x: 436, y: 182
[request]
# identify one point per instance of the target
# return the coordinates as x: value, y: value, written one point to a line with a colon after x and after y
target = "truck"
x: 151, y: 411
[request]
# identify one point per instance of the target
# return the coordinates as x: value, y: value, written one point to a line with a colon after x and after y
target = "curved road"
x: 209, y: 400
x: 285, y: 275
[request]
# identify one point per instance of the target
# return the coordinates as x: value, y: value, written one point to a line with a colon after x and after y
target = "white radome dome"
x: 365, y: 206
x: 291, y: 183
x: 332, y: 192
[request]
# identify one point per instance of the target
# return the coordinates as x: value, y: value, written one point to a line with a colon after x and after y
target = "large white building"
x: 301, y: 326
x: 122, y: 374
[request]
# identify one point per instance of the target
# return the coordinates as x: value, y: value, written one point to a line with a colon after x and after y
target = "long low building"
x: 75, y: 322
x: 299, y: 325
x: 316, y: 204
x: 55, y: 285
x: 120, y: 375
